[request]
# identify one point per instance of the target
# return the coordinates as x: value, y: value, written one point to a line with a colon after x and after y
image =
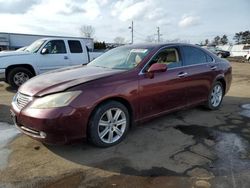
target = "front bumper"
x: 52, y: 126
x: 2, y: 74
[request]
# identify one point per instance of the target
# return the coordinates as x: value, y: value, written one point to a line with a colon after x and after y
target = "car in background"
x: 47, y: 54
x: 127, y: 85
x: 219, y: 52
x: 248, y: 57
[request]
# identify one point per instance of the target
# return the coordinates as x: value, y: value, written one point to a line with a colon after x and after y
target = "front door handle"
x: 182, y: 74
x: 66, y: 57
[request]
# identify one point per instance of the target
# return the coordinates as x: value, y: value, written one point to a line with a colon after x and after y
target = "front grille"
x: 22, y: 100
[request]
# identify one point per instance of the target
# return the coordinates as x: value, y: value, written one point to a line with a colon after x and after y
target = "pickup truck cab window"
x: 75, y: 46
x: 56, y: 47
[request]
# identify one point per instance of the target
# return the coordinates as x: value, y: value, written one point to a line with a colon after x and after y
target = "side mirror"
x: 45, y: 51
x: 157, y: 67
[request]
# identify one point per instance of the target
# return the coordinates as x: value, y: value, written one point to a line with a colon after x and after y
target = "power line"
x: 140, y: 33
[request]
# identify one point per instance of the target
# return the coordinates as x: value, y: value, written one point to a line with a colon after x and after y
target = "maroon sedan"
x: 127, y: 85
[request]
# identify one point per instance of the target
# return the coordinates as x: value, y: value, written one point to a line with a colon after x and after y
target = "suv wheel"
x: 109, y: 124
x: 17, y: 76
x: 215, y: 96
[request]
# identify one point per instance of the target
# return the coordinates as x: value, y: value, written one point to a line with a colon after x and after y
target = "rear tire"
x: 17, y: 76
x: 215, y: 96
x: 109, y: 124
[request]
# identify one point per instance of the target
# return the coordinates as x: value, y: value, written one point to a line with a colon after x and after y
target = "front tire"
x: 215, y: 96
x: 109, y: 124
x: 17, y: 76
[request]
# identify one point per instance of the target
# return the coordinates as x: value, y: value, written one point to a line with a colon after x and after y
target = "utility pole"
x: 132, y: 32
x: 158, y: 34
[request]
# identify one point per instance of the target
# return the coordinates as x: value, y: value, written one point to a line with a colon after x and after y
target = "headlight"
x: 55, y: 100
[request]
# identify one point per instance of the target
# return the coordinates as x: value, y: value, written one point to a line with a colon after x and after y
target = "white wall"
x: 235, y: 50
x: 20, y: 40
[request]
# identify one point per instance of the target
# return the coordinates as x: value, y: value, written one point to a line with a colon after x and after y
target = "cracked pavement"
x: 188, y: 148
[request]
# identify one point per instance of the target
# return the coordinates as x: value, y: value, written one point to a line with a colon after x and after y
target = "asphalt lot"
x: 189, y: 148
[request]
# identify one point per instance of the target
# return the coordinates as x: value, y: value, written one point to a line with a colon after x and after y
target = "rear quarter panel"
x: 226, y: 69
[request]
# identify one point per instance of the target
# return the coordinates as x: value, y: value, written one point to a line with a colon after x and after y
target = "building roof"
x: 44, y: 36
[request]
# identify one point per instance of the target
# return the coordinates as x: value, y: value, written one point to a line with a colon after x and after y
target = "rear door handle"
x: 182, y: 74
x: 213, y: 67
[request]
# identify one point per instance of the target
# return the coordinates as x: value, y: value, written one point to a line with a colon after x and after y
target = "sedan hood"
x: 62, y: 79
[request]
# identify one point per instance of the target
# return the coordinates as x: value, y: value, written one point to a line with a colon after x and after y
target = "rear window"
x: 246, y: 47
x: 75, y: 46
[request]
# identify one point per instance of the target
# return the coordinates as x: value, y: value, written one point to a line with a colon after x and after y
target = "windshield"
x: 21, y: 49
x: 124, y: 58
x: 35, y: 46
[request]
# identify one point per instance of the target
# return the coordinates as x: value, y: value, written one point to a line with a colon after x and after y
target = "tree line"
x: 242, y: 37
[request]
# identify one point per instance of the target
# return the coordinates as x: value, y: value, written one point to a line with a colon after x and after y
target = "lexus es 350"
x: 123, y: 87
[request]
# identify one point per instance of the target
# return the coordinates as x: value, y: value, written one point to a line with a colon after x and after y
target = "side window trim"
x: 180, y: 57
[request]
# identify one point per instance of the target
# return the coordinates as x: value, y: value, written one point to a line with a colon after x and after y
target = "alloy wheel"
x: 20, y: 77
x: 112, y: 125
x: 216, y: 95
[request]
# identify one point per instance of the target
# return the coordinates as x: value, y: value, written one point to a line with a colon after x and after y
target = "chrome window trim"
x: 142, y: 73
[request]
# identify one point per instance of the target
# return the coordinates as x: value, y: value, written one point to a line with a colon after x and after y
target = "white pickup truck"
x: 43, y: 55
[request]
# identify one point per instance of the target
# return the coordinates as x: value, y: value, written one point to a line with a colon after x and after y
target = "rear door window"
x: 194, y: 56
x: 75, y: 46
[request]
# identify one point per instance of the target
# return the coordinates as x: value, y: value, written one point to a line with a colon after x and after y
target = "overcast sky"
x: 191, y: 20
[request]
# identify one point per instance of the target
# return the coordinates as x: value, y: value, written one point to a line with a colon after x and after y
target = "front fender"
x: 8, y: 61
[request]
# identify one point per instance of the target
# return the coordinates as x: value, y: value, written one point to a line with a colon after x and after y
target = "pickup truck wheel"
x: 17, y: 76
x: 109, y: 124
x: 220, y: 55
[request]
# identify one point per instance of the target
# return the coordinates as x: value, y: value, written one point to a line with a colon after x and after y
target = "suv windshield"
x: 35, y: 46
x: 124, y: 58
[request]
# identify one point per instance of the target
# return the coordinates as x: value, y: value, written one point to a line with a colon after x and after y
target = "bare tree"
x: 87, y: 31
x: 206, y: 42
x: 216, y: 40
x: 224, y: 40
x: 119, y: 40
